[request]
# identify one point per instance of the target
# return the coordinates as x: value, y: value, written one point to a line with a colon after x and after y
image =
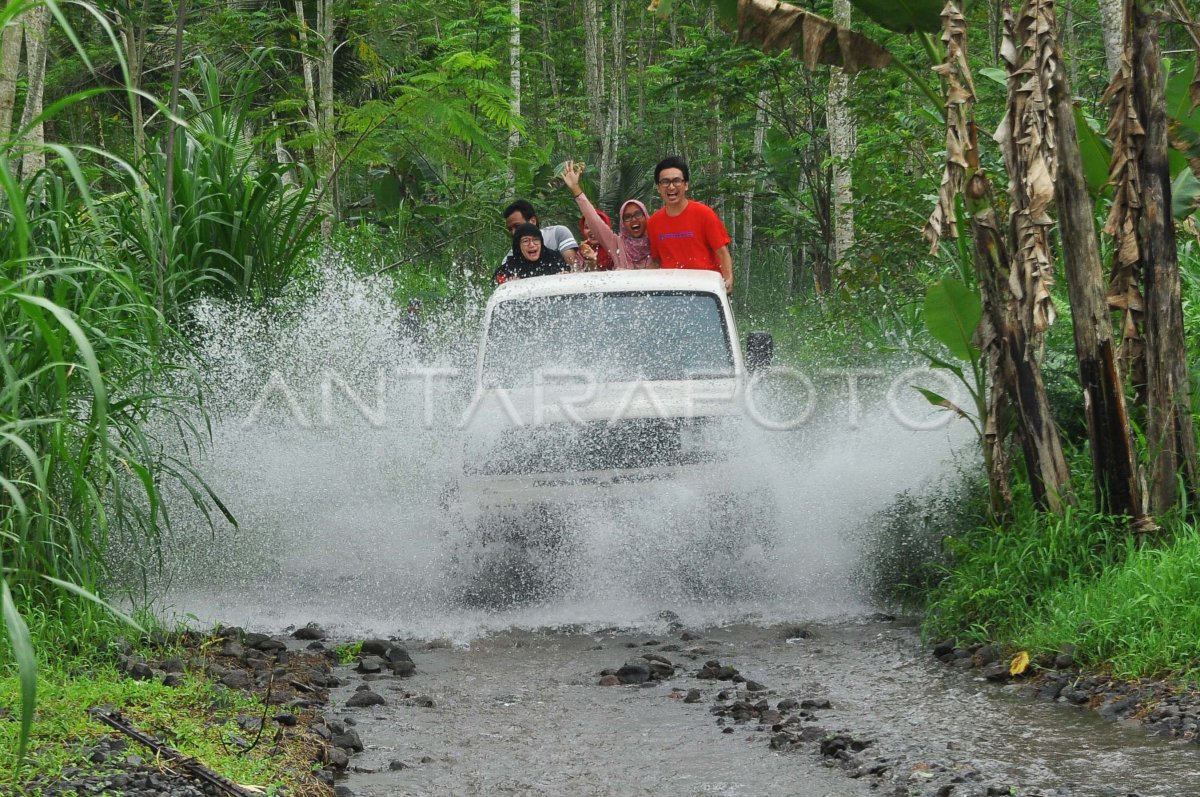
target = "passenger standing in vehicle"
x: 685, y: 233
x: 529, y: 257
x: 594, y: 254
x: 555, y: 236
x: 631, y: 247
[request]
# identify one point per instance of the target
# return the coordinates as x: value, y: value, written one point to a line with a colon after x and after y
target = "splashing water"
x: 333, y: 450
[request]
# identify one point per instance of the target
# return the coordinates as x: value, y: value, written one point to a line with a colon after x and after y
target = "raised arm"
x: 608, y: 239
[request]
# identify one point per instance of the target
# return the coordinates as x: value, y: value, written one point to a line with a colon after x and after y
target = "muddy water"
x: 521, y: 713
x: 325, y: 452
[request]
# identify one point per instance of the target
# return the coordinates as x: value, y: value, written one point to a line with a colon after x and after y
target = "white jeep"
x: 599, y: 389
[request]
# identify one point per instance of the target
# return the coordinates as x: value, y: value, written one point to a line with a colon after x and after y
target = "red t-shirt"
x: 689, y: 240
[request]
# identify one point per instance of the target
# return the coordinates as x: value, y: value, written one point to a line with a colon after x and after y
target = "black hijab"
x: 517, y: 266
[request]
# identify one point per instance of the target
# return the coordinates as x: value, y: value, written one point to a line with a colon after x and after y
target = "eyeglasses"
x: 634, y: 216
x: 669, y: 181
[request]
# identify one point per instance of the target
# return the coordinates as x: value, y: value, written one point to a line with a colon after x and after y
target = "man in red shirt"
x: 685, y: 233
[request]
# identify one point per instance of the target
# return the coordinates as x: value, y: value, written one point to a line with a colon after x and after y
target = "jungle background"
x: 160, y: 153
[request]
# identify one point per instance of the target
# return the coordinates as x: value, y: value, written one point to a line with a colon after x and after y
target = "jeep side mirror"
x: 760, y: 350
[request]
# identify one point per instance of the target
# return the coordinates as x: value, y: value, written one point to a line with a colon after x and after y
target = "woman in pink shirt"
x: 630, y: 248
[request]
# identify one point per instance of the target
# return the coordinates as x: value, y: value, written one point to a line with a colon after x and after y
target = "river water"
x: 520, y: 712
x: 334, y: 457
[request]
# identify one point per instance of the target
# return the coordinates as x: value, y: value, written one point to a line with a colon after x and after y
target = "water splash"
x: 335, y: 457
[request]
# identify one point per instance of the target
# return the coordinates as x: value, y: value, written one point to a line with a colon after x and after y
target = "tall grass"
x: 91, y: 290
x: 236, y: 223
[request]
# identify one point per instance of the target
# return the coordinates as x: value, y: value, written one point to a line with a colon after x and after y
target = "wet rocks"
x: 1166, y: 709
x: 310, y: 632
x: 380, y: 654
x: 649, y: 669
x: 363, y: 697
x: 713, y: 670
x: 634, y: 672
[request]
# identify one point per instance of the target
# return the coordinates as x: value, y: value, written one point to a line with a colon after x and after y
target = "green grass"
x: 1130, y: 604
x: 193, y: 718
x: 1138, y: 618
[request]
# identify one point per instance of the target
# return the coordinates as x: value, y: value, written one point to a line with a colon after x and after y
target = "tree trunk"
x: 842, y: 135
x: 1070, y: 41
x: 37, y: 24
x: 328, y: 146
x: 678, y: 142
x: 283, y: 157
x: 549, y: 72
x: 747, y: 242
x: 169, y: 152
x: 1112, y: 13
x: 593, y: 60
x: 1018, y: 372
x: 643, y: 55
x: 620, y: 74
x: 1029, y: 146
x: 514, y: 82
x: 133, y: 31
x: 610, y: 142
x: 1114, y: 470
x: 1169, y: 433
x: 306, y: 68
x: 10, y: 65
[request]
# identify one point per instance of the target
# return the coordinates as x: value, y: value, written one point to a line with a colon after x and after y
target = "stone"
x: 141, y: 671
x: 693, y: 696
x: 237, y: 679
x: 634, y: 673
x: 312, y: 631
x: 376, y: 647
x: 365, y: 698
x: 233, y: 648
x: 348, y: 741
x: 610, y: 680
x: 337, y: 757
x: 996, y: 671
x: 369, y: 664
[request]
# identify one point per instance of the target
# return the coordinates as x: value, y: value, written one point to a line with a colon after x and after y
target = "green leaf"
x: 904, y: 16
x: 952, y: 312
x: 995, y: 74
x: 91, y: 596
x: 1185, y: 194
x: 1179, y: 96
x: 1096, y: 152
x: 22, y: 647
x: 941, y: 401
x: 938, y: 362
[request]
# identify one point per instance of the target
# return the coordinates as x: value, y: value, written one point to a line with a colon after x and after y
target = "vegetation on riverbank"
x: 1125, y: 603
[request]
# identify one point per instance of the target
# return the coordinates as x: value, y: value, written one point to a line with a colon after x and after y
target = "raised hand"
x: 571, y: 172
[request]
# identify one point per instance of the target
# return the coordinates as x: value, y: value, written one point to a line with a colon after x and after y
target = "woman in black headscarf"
x: 529, y: 257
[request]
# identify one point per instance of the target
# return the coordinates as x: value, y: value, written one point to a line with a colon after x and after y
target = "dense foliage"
x: 173, y: 151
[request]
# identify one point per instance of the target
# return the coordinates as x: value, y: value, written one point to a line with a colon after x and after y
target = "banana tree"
x: 1014, y: 290
x: 1146, y: 265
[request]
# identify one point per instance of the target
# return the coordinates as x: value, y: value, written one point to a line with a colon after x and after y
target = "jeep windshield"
x: 609, y: 337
